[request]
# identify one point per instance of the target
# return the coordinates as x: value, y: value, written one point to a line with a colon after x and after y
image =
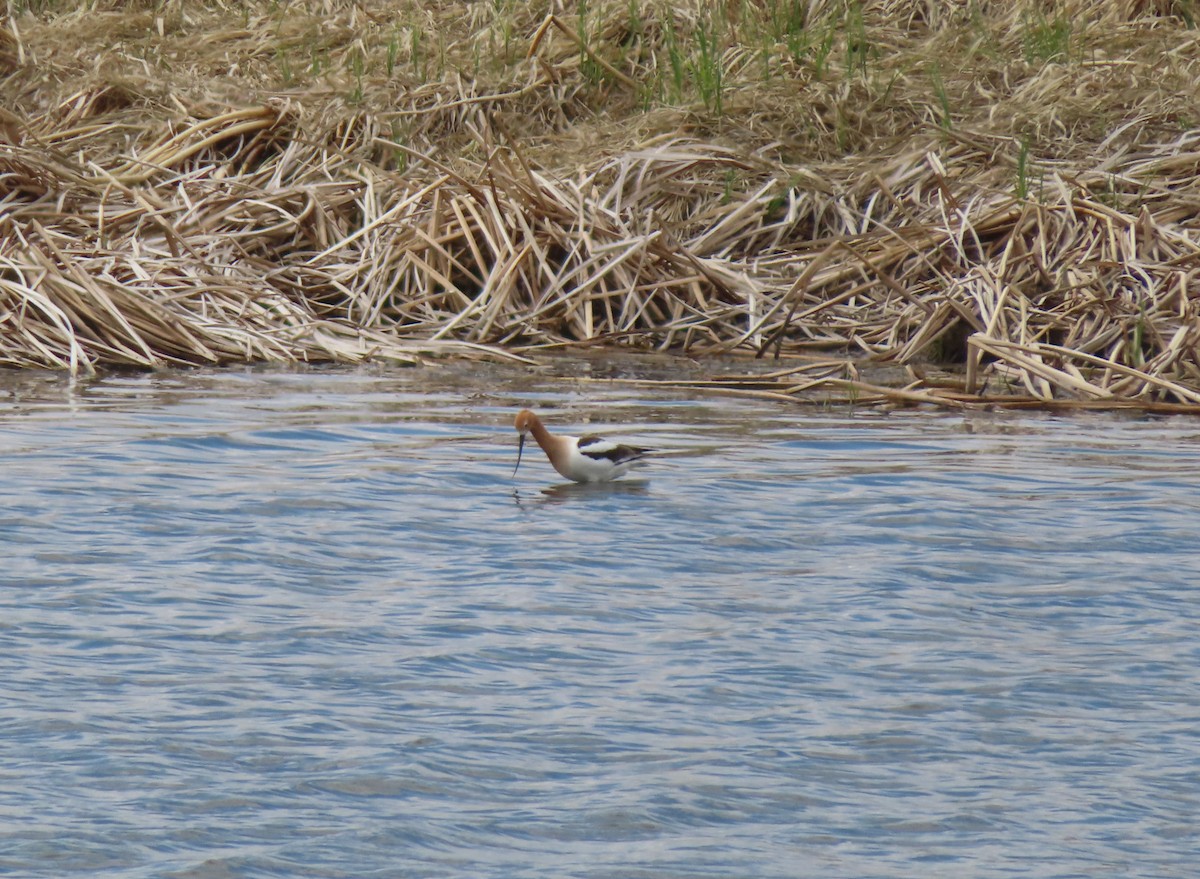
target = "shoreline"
x: 329, y: 184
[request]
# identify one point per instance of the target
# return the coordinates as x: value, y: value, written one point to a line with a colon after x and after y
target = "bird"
x: 579, y: 458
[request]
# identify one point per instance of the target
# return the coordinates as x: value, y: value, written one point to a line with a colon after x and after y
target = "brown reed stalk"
x: 195, y: 183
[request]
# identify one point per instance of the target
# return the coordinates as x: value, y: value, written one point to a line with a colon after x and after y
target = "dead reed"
x: 1007, y: 188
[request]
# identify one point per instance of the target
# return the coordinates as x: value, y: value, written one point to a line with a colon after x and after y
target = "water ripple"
x: 306, y: 624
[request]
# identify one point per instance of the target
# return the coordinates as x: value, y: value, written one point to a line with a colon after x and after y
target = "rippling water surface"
x: 264, y: 624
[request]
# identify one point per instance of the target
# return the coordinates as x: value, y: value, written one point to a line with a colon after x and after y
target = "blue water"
x: 265, y: 624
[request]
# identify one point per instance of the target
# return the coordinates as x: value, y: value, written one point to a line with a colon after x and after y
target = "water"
x: 267, y: 624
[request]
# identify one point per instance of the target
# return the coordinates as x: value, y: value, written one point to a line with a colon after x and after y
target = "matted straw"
x: 340, y: 181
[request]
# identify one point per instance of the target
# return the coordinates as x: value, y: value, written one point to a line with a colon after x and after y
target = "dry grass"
x: 1012, y: 187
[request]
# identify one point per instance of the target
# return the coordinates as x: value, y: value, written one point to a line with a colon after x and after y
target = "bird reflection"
x: 581, y: 491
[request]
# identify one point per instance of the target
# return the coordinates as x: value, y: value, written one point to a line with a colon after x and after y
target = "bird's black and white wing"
x: 600, y: 449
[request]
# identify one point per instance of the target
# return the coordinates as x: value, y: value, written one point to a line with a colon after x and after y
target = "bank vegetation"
x: 999, y: 198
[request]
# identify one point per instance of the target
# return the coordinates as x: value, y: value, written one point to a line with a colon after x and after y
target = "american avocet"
x: 581, y: 458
